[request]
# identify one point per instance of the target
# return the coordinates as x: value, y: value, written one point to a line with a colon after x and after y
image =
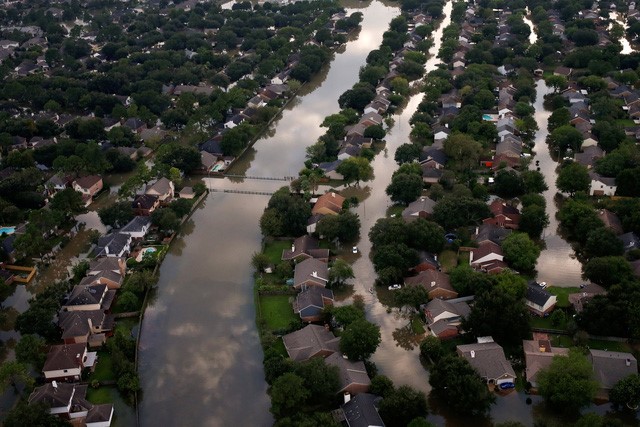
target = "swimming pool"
x: 487, y: 117
x: 143, y: 251
x: 7, y: 230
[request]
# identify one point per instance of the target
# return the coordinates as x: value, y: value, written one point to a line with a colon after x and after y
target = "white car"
x: 394, y: 287
x: 354, y: 250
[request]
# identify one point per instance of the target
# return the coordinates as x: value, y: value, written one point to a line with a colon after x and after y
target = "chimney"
x: 477, y: 230
x: 54, y: 383
x: 293, y: 248
x: 333, y: 194
x: 433, y: 284
x: 435, y: 257
x: 347, y: 397
x: 473, y: 354
x: 314, y: 274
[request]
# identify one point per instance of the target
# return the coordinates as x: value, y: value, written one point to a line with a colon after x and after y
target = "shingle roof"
x: 309, y: 341
x: 487, y: 358
x: 361, y: 411
x: 609, y: 367
x: 58, y: 396
x: 88, y: 181
x: 76, y: 323
x: 136, y: 225
x: 538, y: 355
x: 537, y: 295
x: 161, y: 186
x: 305, y: 271
x: 144, y: 201
x: 65, y: 356
x: 350, y: 372
x: 313, y: 296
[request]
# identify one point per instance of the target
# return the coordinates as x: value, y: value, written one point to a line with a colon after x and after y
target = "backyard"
x: 276, y: 311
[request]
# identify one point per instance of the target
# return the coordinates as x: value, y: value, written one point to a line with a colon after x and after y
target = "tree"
x: 117, y: 215
x: 520, y: 252
x: 566, y: 137
x: 288, y: 392
x: 627, y: 182
x: 572, y: 178
x: 558, y: 83
x: 412, y: 296
x: 340, y: 272
x: 533, y: 181
x: 533, y: 220
x: 388, y: 231
x: 345, y: 315
x: 453, y: 212
x: 381, y: 386
x: 344, y: 227
x: 31, y: 350
x: 375, y: 132
x: 260, y: 261
x: 463, y: 151
x: 466, y: 281
x: 431, y: 349
x: 140, y: 281
x: 32, y: 414
x: 608, y: 270
x: 568, y: 384
x: 12, y: 373
x: 603, y: 242
x: 403, y: 405
x: 425, y: 236
x: 508, y: 184
x: 320, y: 379
x: 68, y: 201
x: 165, y: 219
x: 398, y: 256
x: 560, y: 117
x: 286, y: 215
x: 128, y: 301
x: 404, y: 188
x: 456, y: 382
x: 360, y: 340
x: 355, y: 169
x: 626, y: 393
x: 508, y: 326
x: 407, y: 153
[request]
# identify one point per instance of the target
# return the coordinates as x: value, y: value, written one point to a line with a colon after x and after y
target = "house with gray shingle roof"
x: 310, y: 272
x: 445, y: 317
x: 362, y: 411
x: 66, y: 362
x: 538, y: 300
x: 311, y: 341
x: 311, y: 302
x: 138, y: 227
x: 538, y: 355
x: 488, y: 359
x: 305, y: 247
x: 353, y: 375
x: 609, y: 367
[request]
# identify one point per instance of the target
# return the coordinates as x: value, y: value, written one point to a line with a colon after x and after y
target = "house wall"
x: 85, y: 307
x: 70, y: 374
x: 600, y: 189
x: 61, y: 409
x: 446, y: 334
x: 442, y: 294
x: 355, y: 389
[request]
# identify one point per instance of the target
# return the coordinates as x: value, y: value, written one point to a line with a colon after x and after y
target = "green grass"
x: 417, y: 326
x: 395, y: 210
x: 625, y: 122
x: 104, y: 368
x: 98, y: 396
x: 562, y: 295
x: 463, y: 258
x: 567, y: 342
x: 561, y: 341
x: 280, y: 348
x: 276, y: 311
x: 125, y: 325
x: 543, y: 322
x: 448, y: 260
x: 274, y: 249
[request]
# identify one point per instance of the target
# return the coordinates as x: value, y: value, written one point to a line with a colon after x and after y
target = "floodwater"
x: 200, y: 359
x: 621, y: 19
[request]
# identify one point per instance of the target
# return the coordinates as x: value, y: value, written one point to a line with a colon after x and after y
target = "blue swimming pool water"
x: 7, y: 230
x: 486, y: 117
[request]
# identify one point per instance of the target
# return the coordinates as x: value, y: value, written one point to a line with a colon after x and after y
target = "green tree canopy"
x: 399, y: 407
x: 404, y: 188
x: 568, y: 384
x: 572, y: 178
x: 626, y: 393
x: 360, y: 339
x: 520, y: 252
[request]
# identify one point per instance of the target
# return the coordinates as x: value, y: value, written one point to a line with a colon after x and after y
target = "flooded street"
x: 200, y: 357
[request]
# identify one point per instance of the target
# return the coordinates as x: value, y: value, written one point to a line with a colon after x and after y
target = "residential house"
x: 353, y: 375
x: 436, y: 283
x: 444, y: 318
x: 440, y: 133
x: 212, y: 147
x: 421, y: 208
x: 114, y: 245
x: 145, y: 204
x: 431, y: 175
x: 311, y: 341
x: 370, y: 119
x: 427, y: 262
x: 311, y: 302
x: 488, y: 359
x: 538, y: 300
x: 579, y: 299
x: 538, y: 355
x: 349, y: 151
x: 136, y: 125
x: 66, y: 362
x: 602, y: 186
x: 562, y: 71
x: 487, y: 257
x: 330, y: 169
x: 493, y: 233
x: 504, y: 215
x: 162, y: 188
x: 310, y: 272
x: 433, y: 158
x: 630, y: 241
x: 312, y: 222
x: 88, y: 186
x: 89, y: 298
x: 609, y: 367
x: 85, y: 327
x: 362, y: 411
x: 112, y: 279
x: 112, y: 264
x: 305, y: 247
x: 328, y: 204
x: 187, y: 193
x: 208, y: 161
x: 138, y: 227
x: 611, y: 221
x: 57, y: 183
x: 589, y: 156
x: 69, y: 402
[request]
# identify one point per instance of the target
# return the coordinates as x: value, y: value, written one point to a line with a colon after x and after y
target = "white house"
x: 539, y: 301
x: 163, y: 188
x: 602, y: 186
x: 138, y: 227
x: 66, y: 361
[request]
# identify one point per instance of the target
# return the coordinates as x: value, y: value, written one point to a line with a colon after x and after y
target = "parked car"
x: 354, y: 250
x: 394, y: 287
x: 506, y: 386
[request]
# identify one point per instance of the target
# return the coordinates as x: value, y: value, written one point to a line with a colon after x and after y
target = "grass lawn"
x: 561, y: 341
x: 280, y: 348
x: 274, y: 250
x: 448, y: 260
x: 417, y: 326
x: 395, y: 210
x: 625, y: 122
x: 98, y: 396
x: 567, y: 342
x: 104, y: 368
x: 276, y: 311
x: 562, y: 294
x: 126, y: 325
